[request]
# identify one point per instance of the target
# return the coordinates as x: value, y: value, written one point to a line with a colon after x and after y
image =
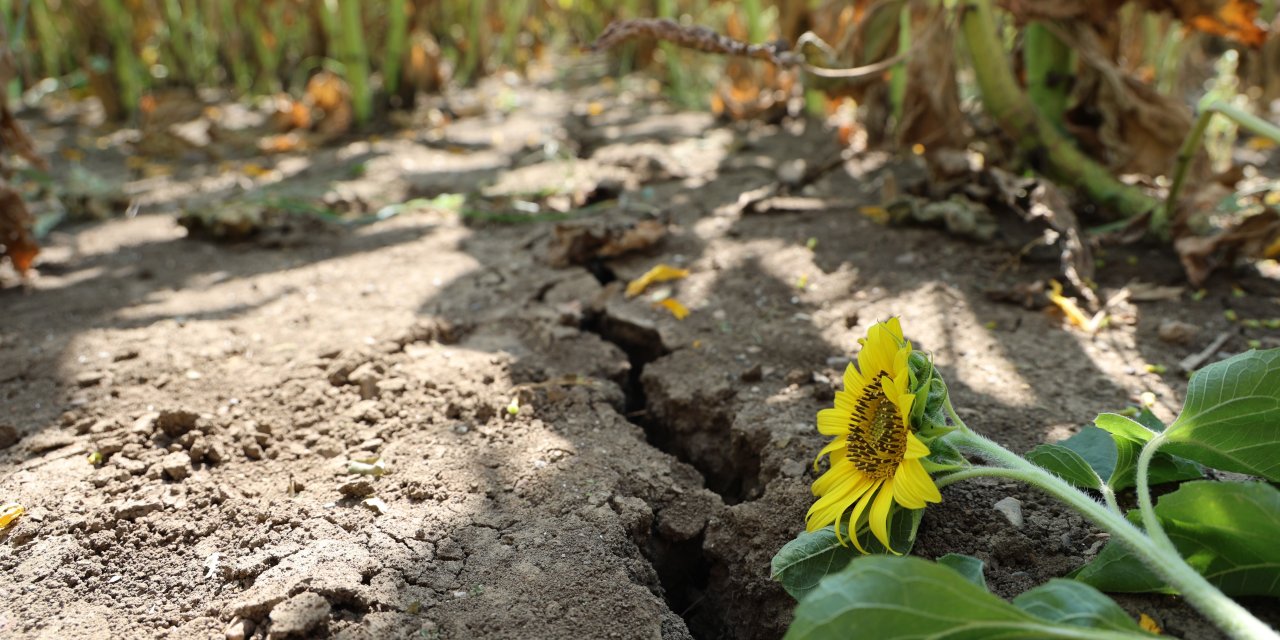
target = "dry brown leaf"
x: 1236, y: 19
x: 1247, y: 239
x: 15, y: 235
x: 931, y: 108
x: 581, y: 242
x: 1134, y: 128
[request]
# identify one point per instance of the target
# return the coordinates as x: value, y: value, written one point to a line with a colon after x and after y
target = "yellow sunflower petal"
x: 833, y: 422
x: 903, y: 401
x: 878, y: 519
x: 827, y: 509
x: 832, y: 447
x: 915, y: 448
x: 860, y: 491
x: 894, y: 326
x: 858, y: 509
x: 841, y: 471
x: 912, y: 486
x: 853, y: 381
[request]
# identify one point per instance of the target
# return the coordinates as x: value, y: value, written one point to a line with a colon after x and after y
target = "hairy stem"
x: 1224, y: 612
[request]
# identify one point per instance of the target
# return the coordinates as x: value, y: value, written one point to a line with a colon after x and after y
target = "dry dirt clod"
x: 176, y: 423
x: 1177, y: 332
x: 8, y: 436
x: 356, y: 488
x: 176, y: 466
x: 239, y: 629
x: 298, y: 615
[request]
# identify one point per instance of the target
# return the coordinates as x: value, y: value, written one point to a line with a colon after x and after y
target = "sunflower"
x: 875, y: 457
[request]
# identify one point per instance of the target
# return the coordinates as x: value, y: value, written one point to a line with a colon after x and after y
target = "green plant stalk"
x: 1161, y: 216
x: 355, y: 60
x: 1172, y: 53
x: 1038, y: 140
x: 240, y: 72
x: 204, y: 46
x: 681, y: 87
x: 129, y: 72
x: 1223, y: 612
x: 898, y: 76
x: 1048, y: 62
x: 397, y: 36
x: 47, y: 38
x: 475, y: 36
x: 755, y: 21
x: 268, y: 56
x: 179, y: 41
x: 1145, y: 507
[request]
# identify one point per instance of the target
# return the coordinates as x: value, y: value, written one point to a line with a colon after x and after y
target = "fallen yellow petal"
x: 879, y: 215
x: 1272, y: 250
x: 671, y: 304
x: 1073, y: 311
x: 660, y: 273
x: 10, y: 512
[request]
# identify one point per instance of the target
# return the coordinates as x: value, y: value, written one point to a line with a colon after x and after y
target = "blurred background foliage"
x: 1098, y: 95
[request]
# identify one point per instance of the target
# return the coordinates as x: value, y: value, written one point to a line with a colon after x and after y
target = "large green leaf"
x: 1231, y: 419
x: 1076, y: 604
x: 1118, y: 462
x: 801, y: 563
x: 903, y: 597
x: 1096, y: 447
x: 1225, y: 530
x: 805, y: 561
x: 1067, y: 464
x: 1129, y: 437
x: 969, y: 567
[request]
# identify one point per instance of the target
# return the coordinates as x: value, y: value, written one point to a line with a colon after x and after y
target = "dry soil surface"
x: 653, y: 466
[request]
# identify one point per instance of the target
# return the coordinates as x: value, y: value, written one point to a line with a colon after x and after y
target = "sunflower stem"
x: 1110, y: 497
x: 1164, y: 561
x: 1149, y: 520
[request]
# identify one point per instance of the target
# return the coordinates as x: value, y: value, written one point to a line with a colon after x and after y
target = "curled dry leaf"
x: 580, y: 242
x: 1235, y: 19
x: 1132, y: 127
x: 15, y: 231
x: 1249, y: 238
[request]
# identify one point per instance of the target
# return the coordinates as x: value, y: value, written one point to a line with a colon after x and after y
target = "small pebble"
x: 1177, y: 332
x: 1012, y: 509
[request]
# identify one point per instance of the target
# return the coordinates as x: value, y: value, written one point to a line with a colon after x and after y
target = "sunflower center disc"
x: 877, y: 437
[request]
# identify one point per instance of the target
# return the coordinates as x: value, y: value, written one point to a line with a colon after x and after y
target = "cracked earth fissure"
x: 683, y: 566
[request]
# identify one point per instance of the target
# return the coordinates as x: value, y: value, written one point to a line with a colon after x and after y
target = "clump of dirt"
x: 435, y: 425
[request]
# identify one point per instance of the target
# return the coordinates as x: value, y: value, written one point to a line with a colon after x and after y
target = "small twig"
x: 707, y: 40
x: 1193, y: 361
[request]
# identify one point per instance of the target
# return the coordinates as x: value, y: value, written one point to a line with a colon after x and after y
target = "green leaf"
x: 1129, y: 437
x: 804, y: 561
x: 969, y: 567
x: 1076, y: 604
x: 904, y: 597
x: 1149, y: 420
x: 1225, y: 530
x: 1231, y: 418
x: 1124, y: 427
x: 1067, y: 464
x: 1096, y: 448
